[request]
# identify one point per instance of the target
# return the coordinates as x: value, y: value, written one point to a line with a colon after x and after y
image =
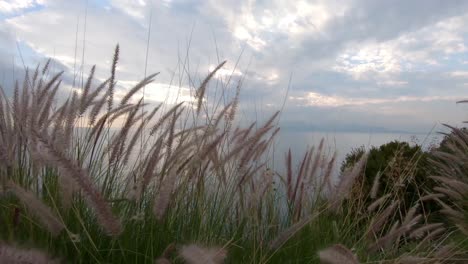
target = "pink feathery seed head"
x: 194, y: 254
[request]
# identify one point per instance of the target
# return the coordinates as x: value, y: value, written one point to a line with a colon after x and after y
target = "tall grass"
x: 198, y: 190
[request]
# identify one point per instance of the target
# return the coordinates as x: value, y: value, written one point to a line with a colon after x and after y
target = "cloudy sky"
x: 350, y: 65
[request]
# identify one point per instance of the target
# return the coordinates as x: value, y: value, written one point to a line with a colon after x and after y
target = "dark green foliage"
x: 400, y: 166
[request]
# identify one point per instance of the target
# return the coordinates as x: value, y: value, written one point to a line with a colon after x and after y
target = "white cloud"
x: 255, y: 42
x: 256, y: 25
x: 269, y: 77
x: 158, y: 92
x: 459, y: 74
x: 225, y: 72
x: 10, y: 6
x: 322, y: 43
x: 373, y: 58
x: 394, y: 83
x: 134, y: 8
x: 412, y: 51
x: 321, y: 100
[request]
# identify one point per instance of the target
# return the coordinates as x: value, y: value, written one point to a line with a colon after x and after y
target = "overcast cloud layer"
x: 355, y: 64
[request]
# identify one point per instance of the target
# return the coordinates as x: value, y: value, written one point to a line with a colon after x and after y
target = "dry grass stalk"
x: 391, y: 236
x: 45, y: 112
x: 431, y: 196
x: 194, y: 254
x: 382, y: 218
x: 137, y: 87
x: 70, y: 121
x: 23, y: 117
x: 120, y: 139
x: 241, y: 134
x: 68, y: 168
x: 114, y: 113
x: 15, y: 255
x: 67, y: 187
x: 434, y: 233
x: 346, y: 183
x: 97, y: 108
x: 374, y: 205
x: 462, y: 227
x: 46, y: 67
x: 450, y: 193
x: 419, y: 233
x: 137, y: 133
x: 211, y: 145
x: 170, y: 136
x: 164, y: 195
x: 90, y: 98
x: 446, y: 252
x: 222, y: 115
x: 270, y: 121
x: 99, y: 104
x: 38, y: 208
x: 375, y: 185
x: 86, y: 88
x: 449, y: 211
x: 285, y: 235
x: 262, y: 147
x: 316, y: 163
x: 97, y: 130
x: 247, y: 175
x: 120, y: 110
x: 249, y: 148
x: 112, y: 81
x: 289, y: 174
x: 34, y: 78
x: 45, y: 90
x: 164, y: 118
x: 410, y: 214
x: 303, y: 171
x: 235, y: 103
x: 149, y: 169
x: 200, y: 93
x: 456, y: 185
x: 396, y: 241
x: 246, y: 146
x: 337, y: 254
x: 328, y: 173
x: 58, y: 122
x: 16, y: 104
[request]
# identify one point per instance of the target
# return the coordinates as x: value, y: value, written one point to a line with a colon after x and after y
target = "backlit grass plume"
x: 103, y: 176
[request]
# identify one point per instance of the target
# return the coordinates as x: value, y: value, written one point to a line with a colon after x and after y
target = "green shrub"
x: 397, y: 165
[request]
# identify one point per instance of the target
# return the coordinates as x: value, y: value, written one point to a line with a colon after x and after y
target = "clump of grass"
x: 91, y: 193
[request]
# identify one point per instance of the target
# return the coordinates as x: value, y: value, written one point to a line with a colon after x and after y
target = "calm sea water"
x: 342, y: 142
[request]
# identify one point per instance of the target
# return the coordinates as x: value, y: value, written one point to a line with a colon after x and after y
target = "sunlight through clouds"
x: 10, y: 6
x: 158, y: 92
x: 352, y: 53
